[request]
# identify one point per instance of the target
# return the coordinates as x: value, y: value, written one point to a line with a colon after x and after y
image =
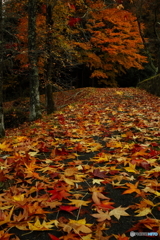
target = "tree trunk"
x: 49, y: 63
x: 2, y: 129
x: 35, y: 111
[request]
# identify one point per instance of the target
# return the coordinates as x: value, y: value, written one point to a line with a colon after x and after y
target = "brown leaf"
x: 96, y: 196
x: 101, y: 216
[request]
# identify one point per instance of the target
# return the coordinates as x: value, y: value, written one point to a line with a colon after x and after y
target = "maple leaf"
x: 133, y: 188
x: 52, y: 237
x: 38, y: 226
x: 7, y: 218
x: 131, y: 168
x: 56, y: 194
x: 148, y: 189
x: 87, y: 237
x: 52, y: 204
x: 142, y: 153
x: 118, y: 212
x: 114, y: 144
x: 102, y: 216
x: 5, y: 147
x: 77, y: 226
x: 143, y: 212
x: 4, y: 235
x: 101, y: 157
x: 148, y: 223
x: 78, y: 203
x: 98, y: 181
x: 70, y: 236
x: 105, y: 205
x: 98, y: 173
x: 68, y: 208
x: 35, y: 209
x: 67, y: 180
x: 121, y: 237
x: 96, y: 196
x: 94, y: 146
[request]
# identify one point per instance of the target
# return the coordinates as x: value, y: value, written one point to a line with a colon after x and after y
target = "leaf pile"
x: 89, y: 171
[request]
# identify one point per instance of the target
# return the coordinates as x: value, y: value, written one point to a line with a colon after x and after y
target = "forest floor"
x: 90, y: 171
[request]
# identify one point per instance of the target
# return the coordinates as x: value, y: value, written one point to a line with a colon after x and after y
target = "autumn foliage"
x: 80, y: 181
x: 113, y: 43
x: 104, y: 38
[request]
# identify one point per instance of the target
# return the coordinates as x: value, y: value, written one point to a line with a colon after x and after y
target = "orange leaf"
x: 132, y: 188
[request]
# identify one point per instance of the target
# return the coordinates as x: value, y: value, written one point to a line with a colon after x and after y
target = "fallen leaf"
x: 132, y: 188
x: 78, y: 203
x: 143, y: 212
x: 101, y: 216
x: 52, y: 237
x: 118, y: 212
x: 96, y: 196
x: 98, y: 173
x: 44, y: 226
x: 68, y: 208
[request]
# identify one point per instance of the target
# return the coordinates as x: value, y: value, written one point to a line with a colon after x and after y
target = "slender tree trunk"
x: 49, y: 63
x: 35, y: 111
x: 2, y: 129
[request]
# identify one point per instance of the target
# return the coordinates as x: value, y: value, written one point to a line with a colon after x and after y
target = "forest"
x: 79, y: 119
x: 49, y: 46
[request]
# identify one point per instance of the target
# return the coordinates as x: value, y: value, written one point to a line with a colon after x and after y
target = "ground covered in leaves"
x: 88, y: 171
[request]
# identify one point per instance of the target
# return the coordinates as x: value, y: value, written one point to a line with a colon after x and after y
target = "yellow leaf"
x: 32, y: 154
x: 88, y: 237
x: 81, y: 221
x: 19, y: 198
x: 149, y: 202
x: 79, y: 203
x: 143, y: 212
x: 67, y: 180
x: 5, y: 207
x: 21, y: 138
x: 80, y: 226
x: 148, y: 189
x: 97, y: 122
x: 38, y: 226
x: 5, y: 147
x: 114, y: 144
x: 98, y: 181
x: 131, y: 168
x: 119, y: 92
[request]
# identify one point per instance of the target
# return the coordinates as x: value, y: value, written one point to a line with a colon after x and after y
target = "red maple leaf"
x: 58, y: 194
x: 68, y: 208
x: 98, y: 173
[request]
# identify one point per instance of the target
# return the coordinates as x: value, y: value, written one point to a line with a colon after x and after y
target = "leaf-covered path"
x: 88, y: 171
